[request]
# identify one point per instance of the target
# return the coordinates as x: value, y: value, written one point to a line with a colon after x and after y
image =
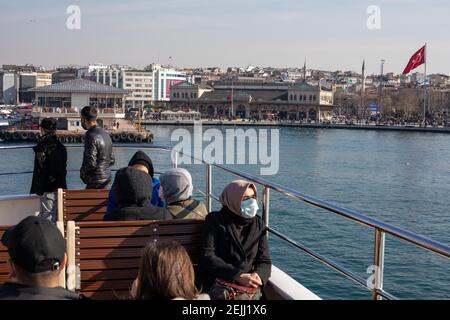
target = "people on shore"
x: 176, y: 190
x: 140, y: 161
x: 98, y: 152
x: 166, y: 273
x: 235, y: 261
x: 50, y: 168
x: 37, y: 252
x: 133, y: 190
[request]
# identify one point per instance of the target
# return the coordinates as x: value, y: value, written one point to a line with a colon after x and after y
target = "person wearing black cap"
x: 50, y: 163
x: 98, y: 154
x: 140, y: 161
x: 37, y: 252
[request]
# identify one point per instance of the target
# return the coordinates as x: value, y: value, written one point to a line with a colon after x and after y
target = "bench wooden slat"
x: 4, y: 256
x: 109, y: 274
x: 148, y: 230
x: 4, y: 277
x: 107, y: 285
x: 106, y: 295
x: 85, y: 194
x: 4, y: 267
x: 86, y: 202
x: 84, y: 217
x: 78, y: 210
x: 109, y: 264
x: 111, y: 253
x: 135, y: 241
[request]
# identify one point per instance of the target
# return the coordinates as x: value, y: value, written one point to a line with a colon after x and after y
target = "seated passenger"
x: 234, y: 246
x: 37, y: 252
x: 166, y: 273
x: 142, y: 162
x: 176, y: 190
x: 133, y: 191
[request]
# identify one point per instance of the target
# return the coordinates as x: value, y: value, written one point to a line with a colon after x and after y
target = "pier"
x: 404, y: 128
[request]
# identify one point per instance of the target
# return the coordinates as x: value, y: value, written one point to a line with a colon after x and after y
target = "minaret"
x: 304, y: 71
x: 363, y: 88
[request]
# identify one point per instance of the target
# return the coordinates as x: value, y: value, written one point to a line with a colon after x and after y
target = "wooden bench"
x: 103, y: 257
x: 82, y: 205
x: 4, y: 257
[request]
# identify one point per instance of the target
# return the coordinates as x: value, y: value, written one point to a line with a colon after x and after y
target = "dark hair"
x: 89, y: 113
x: 48, y: 124
x: 165, y: 273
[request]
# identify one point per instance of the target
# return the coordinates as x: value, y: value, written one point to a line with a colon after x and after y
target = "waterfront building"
x: 258, y: 101
x: 64, y: 74
x: 186, y: 91
x: 163, y: 79
x: 64, y: 101
x: 9, y: 86
x: 140, y: 84
x: 417, y: 78
x: 439, y: 80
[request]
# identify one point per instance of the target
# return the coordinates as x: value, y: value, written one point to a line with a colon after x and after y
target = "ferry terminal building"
x: 259, y: 101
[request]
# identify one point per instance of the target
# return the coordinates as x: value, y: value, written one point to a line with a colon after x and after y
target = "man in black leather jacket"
x: 98, y: 153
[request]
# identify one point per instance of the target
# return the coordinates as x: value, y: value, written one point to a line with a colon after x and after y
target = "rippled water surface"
x: 400, y: 178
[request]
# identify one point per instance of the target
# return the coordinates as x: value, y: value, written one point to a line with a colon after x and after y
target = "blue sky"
x: 332, y: 35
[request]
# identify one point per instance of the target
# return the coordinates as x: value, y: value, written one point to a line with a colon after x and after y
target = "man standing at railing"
x: 98, y: 155
x: 49, y: 172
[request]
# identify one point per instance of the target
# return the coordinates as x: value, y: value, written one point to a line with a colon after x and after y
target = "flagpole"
x: 425, y: 87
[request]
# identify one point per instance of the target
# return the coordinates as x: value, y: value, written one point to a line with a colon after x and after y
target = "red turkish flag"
x: 416, y: 60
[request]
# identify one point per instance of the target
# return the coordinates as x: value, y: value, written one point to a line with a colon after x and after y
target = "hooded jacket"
x: 133, y: 190
x: 50, y: 163
x: 98, y: 157
x: 139, y: 158
x: 177, y: 190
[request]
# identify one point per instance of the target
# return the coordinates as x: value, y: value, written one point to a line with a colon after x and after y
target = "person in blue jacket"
x: 142, y: 162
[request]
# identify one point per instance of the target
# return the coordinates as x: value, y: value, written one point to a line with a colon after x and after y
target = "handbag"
x: 222, y: 290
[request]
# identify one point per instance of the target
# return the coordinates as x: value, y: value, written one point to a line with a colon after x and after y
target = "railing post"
x: 208, y: 183
x: 175, y: 159
x: 265, y: 203
x: 378, y: 260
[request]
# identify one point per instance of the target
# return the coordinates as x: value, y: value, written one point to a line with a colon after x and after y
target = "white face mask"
x: 249, y: 208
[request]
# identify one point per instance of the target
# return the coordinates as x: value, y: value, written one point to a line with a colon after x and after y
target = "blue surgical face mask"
x: 249, y: 208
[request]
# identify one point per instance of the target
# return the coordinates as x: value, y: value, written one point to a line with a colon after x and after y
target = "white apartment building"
x: 147, y: 86
x: 163, y: 79
x: 141, y: 84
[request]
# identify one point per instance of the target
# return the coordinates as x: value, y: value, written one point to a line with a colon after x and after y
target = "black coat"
x: 133, y: 191
x: 50, y: 162
x: 14, y: 291
x: 98, y: 157
x: 232, y: 245
x: 138, y: 213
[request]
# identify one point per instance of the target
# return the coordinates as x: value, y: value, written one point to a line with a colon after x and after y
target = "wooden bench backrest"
x: 82, y: 205
x: 4, y: 257
x: 107, y: 254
